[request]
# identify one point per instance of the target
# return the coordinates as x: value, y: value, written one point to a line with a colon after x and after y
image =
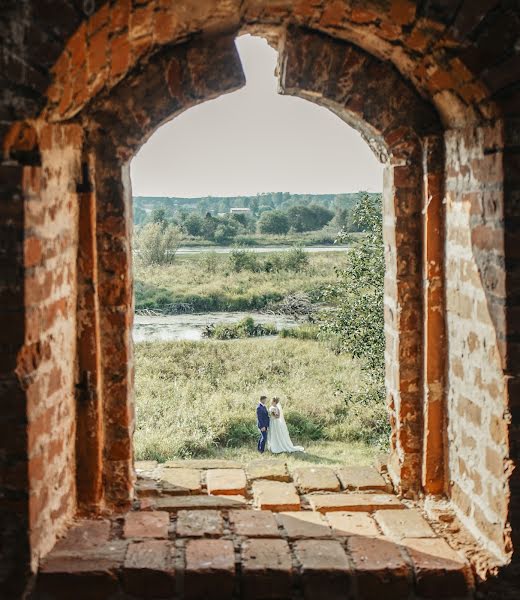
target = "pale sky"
x: 255, y: 140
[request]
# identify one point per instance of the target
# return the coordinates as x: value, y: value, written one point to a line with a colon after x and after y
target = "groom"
x: 262, y: 422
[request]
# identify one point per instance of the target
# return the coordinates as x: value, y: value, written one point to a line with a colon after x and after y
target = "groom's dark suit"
x: 262, y: 422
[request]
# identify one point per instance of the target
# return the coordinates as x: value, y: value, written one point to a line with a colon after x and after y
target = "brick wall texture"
x: 432, y: 86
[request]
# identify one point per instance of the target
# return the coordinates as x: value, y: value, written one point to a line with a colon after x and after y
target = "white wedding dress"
x: 278, y: 438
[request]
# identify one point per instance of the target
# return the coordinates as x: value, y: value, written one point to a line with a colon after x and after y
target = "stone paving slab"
x: 304, y: 524
x: 362, y: 479
x: 150, y: 524
x: 380, y: 567
x: 85, y: 534
x: 275, y: 495
x: 276, y: 470
x: 181, y: 481
x: 314, y: 479
x: 254, y: 523
x: 145, y: 465
x: 347, y: 523
x: 150, y: 566
x: 267, y: 569
x: 199, y: 523
x: 226, y: 482
x: 353, y: 502
x: 147, y: 487
x: 325, y: 569
x: 404, y: 523
x: 202, y: 502
x: 440, y: 571
x: 203, y: 464
x: 210, y: 569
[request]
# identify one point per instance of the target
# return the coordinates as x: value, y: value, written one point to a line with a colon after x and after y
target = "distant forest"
x: 275, y: 213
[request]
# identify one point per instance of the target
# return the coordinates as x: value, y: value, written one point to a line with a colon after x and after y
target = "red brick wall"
x: 475, y: 294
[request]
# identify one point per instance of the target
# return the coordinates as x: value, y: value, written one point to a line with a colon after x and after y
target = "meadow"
x: 207, y: 282
x: 198, y: 399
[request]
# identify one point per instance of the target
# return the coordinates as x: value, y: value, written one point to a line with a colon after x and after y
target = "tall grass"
x: 199, y: 398
x: 208, y: 282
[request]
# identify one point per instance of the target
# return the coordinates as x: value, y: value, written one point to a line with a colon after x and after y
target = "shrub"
x: 273, y: 222
x: 243, y: 329
x: 157, y: 243
x: 243, y: 260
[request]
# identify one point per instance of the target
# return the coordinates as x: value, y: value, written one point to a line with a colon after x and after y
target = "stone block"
x: 210, y: 569
x: 254, y: 523
x: 267, y: 569
x: 148, y: 570
x: 202, y: 502
x: 275, y: 495
x: 304, y: 524
x: 316, y: 479
x: 276, y: 470
x: 83, y: 574
x: 379, y: 568
x: 145, y: 465
x: 353, y: 502
x: 407, y: 522
x: 440, y: 572
x: 149, y: 524
x: 325, y: 570
x: 84, y: 535
x: 199, y: 523
x: 361, y: 478
x: 347, y: 524
x: 181, y: 481
x: 226, y: 482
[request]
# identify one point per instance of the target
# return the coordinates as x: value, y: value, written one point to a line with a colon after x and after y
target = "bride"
x: 278, y: 439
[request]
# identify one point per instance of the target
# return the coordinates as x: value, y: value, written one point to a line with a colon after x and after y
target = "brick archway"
x: 66, y: 180
x: 118, y: 122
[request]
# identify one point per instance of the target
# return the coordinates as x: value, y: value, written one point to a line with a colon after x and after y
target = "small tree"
x: 358, y: 294
x: 274, y: 222
x: 157, y: 243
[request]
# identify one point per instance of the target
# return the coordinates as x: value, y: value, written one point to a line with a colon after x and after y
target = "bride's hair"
x: 276, y: 400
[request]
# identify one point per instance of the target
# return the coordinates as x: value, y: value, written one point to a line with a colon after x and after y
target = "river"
x: 170, y: 328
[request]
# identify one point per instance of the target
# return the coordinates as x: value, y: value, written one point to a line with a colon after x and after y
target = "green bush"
x: 243, y: 260
x: 156, y: 243
x: 243, y: 329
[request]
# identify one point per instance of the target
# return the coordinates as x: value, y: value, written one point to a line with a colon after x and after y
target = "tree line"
x: 276, y: 213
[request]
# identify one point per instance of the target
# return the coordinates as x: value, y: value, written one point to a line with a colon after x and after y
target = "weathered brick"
x: 347, y: 524
x: 379, y: 568
x: 353, y: 502
x: 404, y: 523
x: 149, y: 569
x: 181, y: 481
x: 440, y: 572
x: 267, y: 469
x: 226, y: 482
x: 267, y: 569
x: 275, y: 495
x: 325, y: 569
x: 312, y: 479
x: 361, y: 478
x: 304, y: 524
x: 152, y: 524
x: 175, y: 503
x: 254, y: 523
x: 197, y: 523
x: 210, y: 569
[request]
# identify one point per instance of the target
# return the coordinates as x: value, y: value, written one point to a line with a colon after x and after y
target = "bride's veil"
x: 282, y: 418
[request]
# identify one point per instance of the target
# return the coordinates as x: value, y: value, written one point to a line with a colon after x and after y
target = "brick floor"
x: 276, y: 470
x: 270, y: 544
x: 181, y: 481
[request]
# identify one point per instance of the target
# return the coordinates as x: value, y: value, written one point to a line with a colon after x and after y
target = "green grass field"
x: 207, y: 282
x: 198, y: 399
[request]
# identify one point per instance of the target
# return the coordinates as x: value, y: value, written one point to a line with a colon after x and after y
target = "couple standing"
x: 273, y: 429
